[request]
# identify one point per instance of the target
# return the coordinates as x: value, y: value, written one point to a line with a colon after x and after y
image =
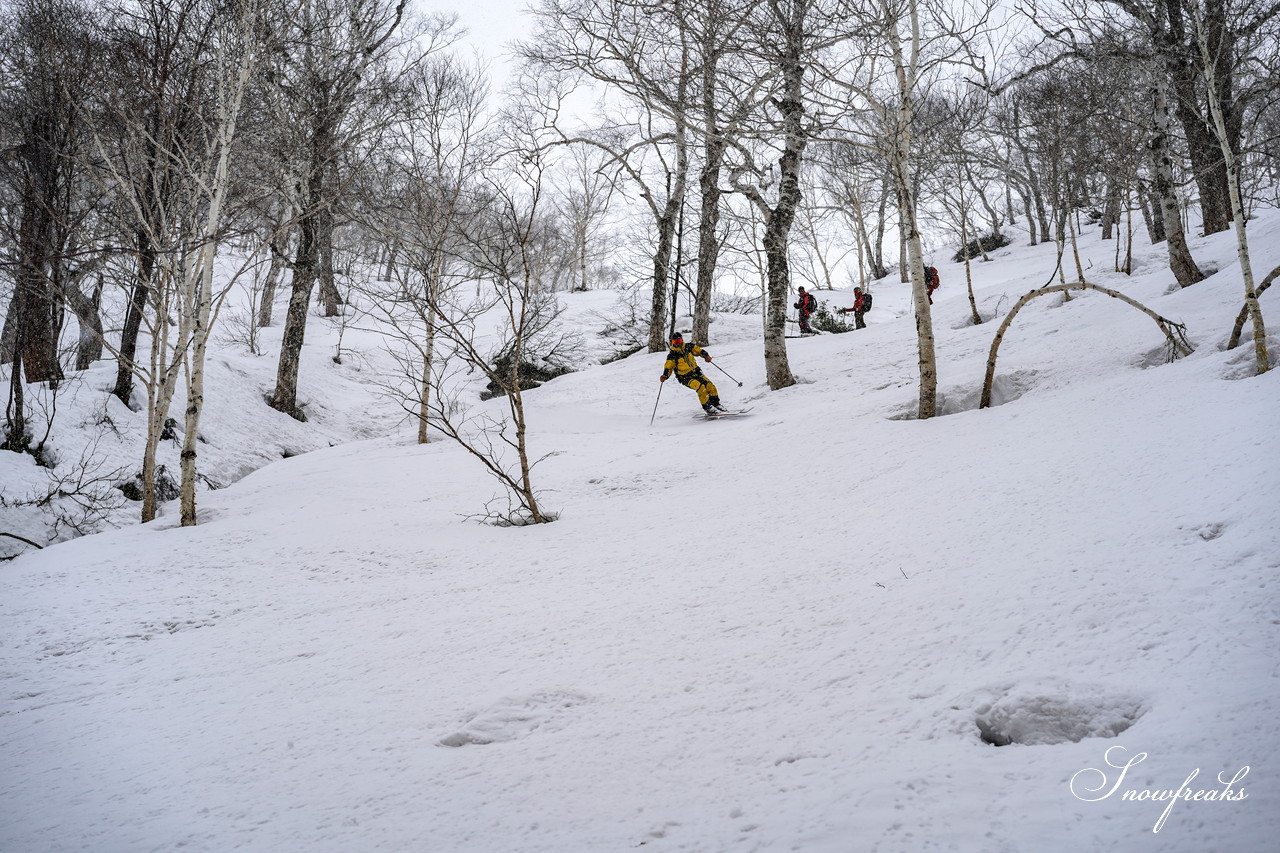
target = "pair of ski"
x: 711, y: 416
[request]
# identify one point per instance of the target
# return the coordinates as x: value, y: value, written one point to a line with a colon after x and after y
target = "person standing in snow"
x: 806, y: 305
x: 682, y: 360
x: 861, y: 305
x: 931, y: 281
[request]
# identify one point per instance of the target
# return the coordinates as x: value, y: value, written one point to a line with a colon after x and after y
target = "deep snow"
x: 788, y: 631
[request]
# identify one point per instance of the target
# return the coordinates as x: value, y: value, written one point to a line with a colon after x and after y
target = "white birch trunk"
x: 198, y: 305
x: 1233, y: 187
x: 905, y: 70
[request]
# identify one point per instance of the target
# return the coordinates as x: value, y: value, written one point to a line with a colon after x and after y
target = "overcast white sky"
x: 491, y: 26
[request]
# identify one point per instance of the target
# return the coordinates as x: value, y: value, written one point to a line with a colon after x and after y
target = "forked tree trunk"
x: 315, y: 222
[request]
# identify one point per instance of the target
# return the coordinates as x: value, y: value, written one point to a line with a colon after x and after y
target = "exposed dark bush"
x: 529, y: 376
x: 166, y: 487
x: 975, y: 247
x: 624, y: 353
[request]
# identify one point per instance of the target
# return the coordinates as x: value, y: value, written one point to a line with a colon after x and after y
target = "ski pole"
x: 655, y: 403
x: 725, y: 372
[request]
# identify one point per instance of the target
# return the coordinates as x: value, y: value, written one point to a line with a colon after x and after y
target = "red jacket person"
x: 806, y: 305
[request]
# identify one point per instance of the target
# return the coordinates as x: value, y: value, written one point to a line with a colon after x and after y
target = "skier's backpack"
x: 866, y: 302
x: 931, y: 276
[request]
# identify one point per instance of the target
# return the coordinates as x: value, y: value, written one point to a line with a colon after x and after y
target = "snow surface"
x: 798, y: 630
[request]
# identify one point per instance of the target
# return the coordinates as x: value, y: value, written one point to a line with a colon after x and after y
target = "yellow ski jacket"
x: 683, y: 360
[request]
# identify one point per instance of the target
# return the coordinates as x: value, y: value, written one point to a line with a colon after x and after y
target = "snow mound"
x: 1048, y: 713
x: 513, y: 718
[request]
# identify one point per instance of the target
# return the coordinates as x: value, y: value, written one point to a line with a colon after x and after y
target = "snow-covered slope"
x: 796, y: 630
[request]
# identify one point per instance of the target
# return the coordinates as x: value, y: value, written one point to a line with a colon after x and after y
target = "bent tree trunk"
x: 1244, y: 311
x: 1175, y: 333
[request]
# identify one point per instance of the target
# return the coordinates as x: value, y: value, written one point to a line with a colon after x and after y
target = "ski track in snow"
x: 787, y: 632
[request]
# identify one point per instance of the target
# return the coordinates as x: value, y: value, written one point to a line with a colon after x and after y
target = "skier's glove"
x: 662, y: 378
x: 707, y: 357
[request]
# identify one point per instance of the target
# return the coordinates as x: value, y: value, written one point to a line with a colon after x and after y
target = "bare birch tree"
x: 790, y: 39
x: 237, y: 45
x: 430, y: 190
x: 1208, y: 38
x: 504, y: 252
x: 170, y: 171
x: 643, y: 55
x: 325, y: 97
x: 584, y: 193
x: 909, y: 42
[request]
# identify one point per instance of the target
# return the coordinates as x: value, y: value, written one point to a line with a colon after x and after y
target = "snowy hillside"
x: 803, y: 629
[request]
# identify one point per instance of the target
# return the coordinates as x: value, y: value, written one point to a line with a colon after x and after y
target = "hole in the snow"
x: 1037, y: 718
x: 991, y: 736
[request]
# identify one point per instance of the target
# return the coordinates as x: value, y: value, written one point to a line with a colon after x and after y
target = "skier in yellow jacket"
x: 682, y: 360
